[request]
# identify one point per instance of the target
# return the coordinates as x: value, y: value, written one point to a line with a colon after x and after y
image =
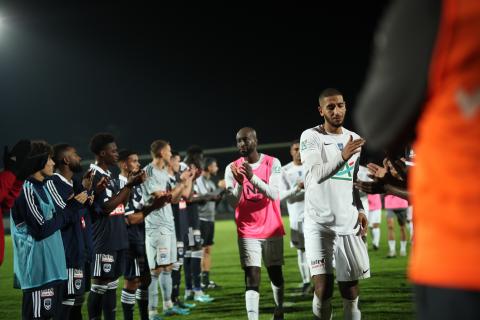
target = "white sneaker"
x: 403, y: 253
x: 391, y: 254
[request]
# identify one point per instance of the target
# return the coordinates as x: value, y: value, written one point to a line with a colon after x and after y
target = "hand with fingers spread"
x: 376, y: 171
x: 187, y: 175
x: 136, y: 178
x: 102, y: 184
x: 352, y: 147
x: 246, y: 170
x: 87, y: 180
x: 370, y: 187
x: 82, y: 197
x: 237, y: 174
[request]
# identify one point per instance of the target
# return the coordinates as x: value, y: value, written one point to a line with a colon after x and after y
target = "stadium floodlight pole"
x: 267, y: 146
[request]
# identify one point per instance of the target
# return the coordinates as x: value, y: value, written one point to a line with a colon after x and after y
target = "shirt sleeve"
x: 315, y: 162
x: 396, y: 84
x: 272, y: 188
x: 233, y: 189
x: 286, y: 191
x: 10, y: 189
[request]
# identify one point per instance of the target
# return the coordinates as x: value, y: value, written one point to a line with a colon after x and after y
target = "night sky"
x: 190, y: 75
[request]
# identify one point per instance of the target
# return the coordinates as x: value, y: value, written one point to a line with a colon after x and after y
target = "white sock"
x: 153, y: 295
x: 322, y: 309
x: 376, y: 236
x: 303, y: 266
x: 410, y: 229
x: 403, y: 246
x: 391, y: 246
x: 252, y: 300
x: 350, y: 310
x: 277, y: 295
x: 166, y: 288
x: 197, y: 293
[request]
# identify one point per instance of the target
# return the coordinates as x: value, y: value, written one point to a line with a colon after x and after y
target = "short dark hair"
x: 156, y: 146
x: 59, y: 152
x: 40, y: 147
x: 194, y: 150
x: 124, y: 154
x: 296, y: 141
x: 207, y: 162
x: 328, y: 93
x: 175, y: 153
x: 100, y: 141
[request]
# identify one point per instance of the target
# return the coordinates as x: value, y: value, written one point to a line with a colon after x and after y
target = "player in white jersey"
x: 293, y: 193
x: 160, y: 239
x: 334, y: 216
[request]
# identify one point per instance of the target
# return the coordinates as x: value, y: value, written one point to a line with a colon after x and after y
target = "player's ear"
x: 320, y: 110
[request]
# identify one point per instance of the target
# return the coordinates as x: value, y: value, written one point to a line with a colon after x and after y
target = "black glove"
x: 13, y: 160
x: 20, y: 163
x: 32, y: 165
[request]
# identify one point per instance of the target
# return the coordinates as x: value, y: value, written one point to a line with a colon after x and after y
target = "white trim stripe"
x: 137, y: 270
x: 54, y: 192
x: 31, y: 203
x: 68, y: 302
x: 71, y: 289
x: 33, y: 304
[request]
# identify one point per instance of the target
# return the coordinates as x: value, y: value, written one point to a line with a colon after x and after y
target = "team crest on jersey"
x: 180, y: 251
x: 303, y: 145
x: 78, y: 284
x: 78, y: 273
x: 107, y: 267
x: 47, y: 304
x: 107, y: 258
x: 47, y: 293
x: 318, y: 263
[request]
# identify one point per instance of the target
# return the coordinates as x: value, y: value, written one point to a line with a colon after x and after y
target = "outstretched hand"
x: 352, y: 147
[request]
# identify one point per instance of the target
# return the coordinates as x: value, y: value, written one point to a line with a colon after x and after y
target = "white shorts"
x: 409, y: 213
x: 161, y: 249
x: 325, y: 251
x: 374, y: 216
x: 252, y: 251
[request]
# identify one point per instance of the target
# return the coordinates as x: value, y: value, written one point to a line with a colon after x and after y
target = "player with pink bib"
x: 253, y: 189
x: 396, y: 207
x: 374, y: 218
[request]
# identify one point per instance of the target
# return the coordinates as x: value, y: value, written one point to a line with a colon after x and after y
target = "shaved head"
x: 246, y: 141
x: 247, y: 131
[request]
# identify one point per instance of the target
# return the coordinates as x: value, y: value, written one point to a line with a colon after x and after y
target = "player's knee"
x: 349, y: 290
x: 207, y: 250
x: 276, y: 275
x: 100, y: 281
x: 131, y: 284
x: 323, y: 284
x: 252, y: 277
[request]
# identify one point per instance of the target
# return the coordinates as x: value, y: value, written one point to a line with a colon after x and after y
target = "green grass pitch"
x: 386, y: 295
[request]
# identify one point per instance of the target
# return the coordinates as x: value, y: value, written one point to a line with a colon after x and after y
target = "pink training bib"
x: 374, y: 202
x: 256, y: 215
x: 392, y: 202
